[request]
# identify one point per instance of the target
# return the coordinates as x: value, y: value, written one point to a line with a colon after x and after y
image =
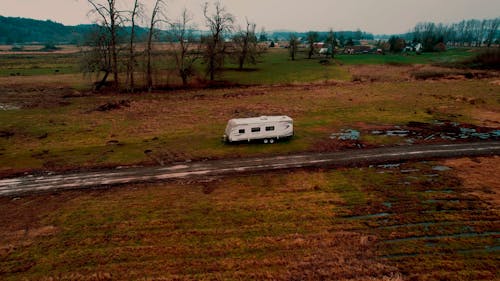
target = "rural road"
x: 36, y: 184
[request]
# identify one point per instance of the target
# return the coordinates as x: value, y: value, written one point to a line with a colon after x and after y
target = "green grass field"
x: 36, y: 64
x: 452, y: 55
x: 274, y: 66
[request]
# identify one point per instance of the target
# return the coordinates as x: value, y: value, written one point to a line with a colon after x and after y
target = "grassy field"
x: 408, y: 222
x: 452, y: 55
x: 274, y: 66
x: 58, y: 129
x: 38, y: 64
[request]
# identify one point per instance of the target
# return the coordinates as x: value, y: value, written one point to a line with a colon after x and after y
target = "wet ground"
x: 417, y: 132
x: 47, y: 183
x: 428, y: 221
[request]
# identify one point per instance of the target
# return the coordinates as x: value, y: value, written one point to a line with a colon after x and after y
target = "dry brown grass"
x: 480, y: 176
x: 270, y: 226
x: 400, y: 73
x: 300, y: 225
x: 25, y: 83
x: 381, y: 73
x: 489, y: 118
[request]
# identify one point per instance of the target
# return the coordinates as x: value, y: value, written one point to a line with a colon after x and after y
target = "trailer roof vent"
x: 263, y: 118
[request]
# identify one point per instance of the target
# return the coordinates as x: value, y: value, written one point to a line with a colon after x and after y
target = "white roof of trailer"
x: 259, y: 120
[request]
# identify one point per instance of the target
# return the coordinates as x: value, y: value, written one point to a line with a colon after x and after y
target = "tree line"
x: 15, y: 30
x: 466, y: 33
x: 116, y: 50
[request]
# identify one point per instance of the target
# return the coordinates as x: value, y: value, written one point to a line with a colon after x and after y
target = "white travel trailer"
x: 266, y: 128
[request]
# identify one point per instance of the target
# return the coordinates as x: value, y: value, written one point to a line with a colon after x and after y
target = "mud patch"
x: 243, y: 94
x: 438, y: 73
x: 328, y: 145
x: 113, y: 105
x: 445, y: 130
x: 6, y: 134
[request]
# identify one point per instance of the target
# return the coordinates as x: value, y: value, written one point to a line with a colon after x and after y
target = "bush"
x: 489, y: 59
x: 428, y: 74
x: 49, y: 47
x: 440, y: 47
x: 17, y: 48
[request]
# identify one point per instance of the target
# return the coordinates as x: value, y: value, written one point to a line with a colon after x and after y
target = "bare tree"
x: 154, y: 20
x: 185, y: 53
x: 312, y: 37
x: 98, y: 58
x: 469, y: 33
x: 293, y: 46
x: 332, y: 42
x: 491, y: 30
x: 110, y: 18
x: 218, y: 23
x: 246, y: 48
x: 134, y: 14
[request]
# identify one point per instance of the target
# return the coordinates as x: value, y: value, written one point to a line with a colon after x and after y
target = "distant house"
x: 413, y: 48
x: 355, y: 50
x: 318, y: 45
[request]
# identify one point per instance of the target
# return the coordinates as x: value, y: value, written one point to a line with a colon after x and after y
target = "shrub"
x: 17, y: 48
x: 489, y: 59
x: 49, y: 47
x: 440, y: 47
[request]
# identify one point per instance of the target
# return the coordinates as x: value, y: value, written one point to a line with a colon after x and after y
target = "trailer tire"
x: 266, y: 141
x: 271, y: 141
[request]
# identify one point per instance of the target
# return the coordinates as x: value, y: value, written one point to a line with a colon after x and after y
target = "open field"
x: 415, y: 221
x: 452, y: 55
x: 274, y: 66
x: 62, y: 128
x: 407, y: 221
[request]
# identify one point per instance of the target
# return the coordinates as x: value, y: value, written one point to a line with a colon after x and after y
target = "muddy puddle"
x: 348, y: 134
x: 443, y: 130
x: 415, y: 132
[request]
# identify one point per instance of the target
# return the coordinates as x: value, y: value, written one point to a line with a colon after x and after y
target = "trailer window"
x: 255, y: 130
x: 270, y: 128
x: 241, y: 131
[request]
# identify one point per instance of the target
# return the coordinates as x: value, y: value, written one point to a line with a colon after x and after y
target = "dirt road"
x: 35, y: 184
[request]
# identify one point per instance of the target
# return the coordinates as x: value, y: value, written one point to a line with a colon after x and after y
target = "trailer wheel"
x: 266, y: 141
x: 271, y: 141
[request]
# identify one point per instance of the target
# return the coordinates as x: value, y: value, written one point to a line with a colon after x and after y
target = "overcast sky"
x: 376, y: 16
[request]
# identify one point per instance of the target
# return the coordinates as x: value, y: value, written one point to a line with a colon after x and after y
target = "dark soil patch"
x: 450, y: 74
x: 38, y: 97
x: 6, y: 134
x: 113, y: 105
x: 441, y: 130
x: 243, y: 94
